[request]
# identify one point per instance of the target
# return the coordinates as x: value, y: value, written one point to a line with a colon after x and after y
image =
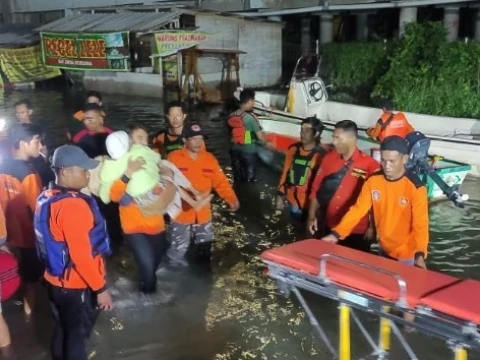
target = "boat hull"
x: 452, y: 138
x: 283, y: 134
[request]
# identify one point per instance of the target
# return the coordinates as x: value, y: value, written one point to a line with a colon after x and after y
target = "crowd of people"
x: 157, y: 200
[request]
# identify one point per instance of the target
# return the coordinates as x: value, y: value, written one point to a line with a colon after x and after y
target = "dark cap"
x: 69, y: 156
x: 92, y: 106
x: 192, y: 130
x: 395, y: 143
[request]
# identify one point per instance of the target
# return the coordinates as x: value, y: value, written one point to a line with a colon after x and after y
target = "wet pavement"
x: 227, y: 309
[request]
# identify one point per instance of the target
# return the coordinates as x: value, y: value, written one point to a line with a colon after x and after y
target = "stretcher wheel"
x: 9, y: 277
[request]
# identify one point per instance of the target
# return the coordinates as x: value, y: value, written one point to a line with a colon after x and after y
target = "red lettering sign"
x: 64, y: 48
x: 93, y: 49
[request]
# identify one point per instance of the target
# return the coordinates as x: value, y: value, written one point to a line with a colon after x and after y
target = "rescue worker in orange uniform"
x: 92, y: 138
x: 205, y: 174
x: 337, y: 186
x: 390, y: 123
x: 76, y: 123
x: 71, y: 241
x: 4, y: 332
x: 246, y: 134
x: 301, y: 164
x: 20, y: 186
x: 400, y: 207
x: 24, y: 114
x: 171, y: 138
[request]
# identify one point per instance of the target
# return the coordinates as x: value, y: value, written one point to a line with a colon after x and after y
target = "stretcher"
x: 443, y: 306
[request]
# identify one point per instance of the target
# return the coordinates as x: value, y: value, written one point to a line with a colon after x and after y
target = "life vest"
x: 54, y: 253
x: 302, y: 166
x: 9, y: 277
x: 395, y: 124
x: 170, y: 145
x: 240, y: 135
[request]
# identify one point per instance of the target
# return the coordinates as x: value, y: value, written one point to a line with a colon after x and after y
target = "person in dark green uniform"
x: 246, y: 134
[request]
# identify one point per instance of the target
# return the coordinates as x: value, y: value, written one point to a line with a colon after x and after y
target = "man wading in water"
x: 72, y: 240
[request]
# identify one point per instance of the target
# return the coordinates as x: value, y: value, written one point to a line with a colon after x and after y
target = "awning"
x: 103, y: 23
x: 18, y: 35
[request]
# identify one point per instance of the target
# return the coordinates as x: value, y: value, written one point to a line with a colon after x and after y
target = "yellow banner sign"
x: 25, y: 65
x: 169, y: 42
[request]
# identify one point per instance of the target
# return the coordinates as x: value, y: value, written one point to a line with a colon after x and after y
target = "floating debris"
x: 117, y: 325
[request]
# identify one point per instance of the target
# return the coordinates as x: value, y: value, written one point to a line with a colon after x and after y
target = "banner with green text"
x: 169, y: 42
x: 107, y: 52
x: 25, y: 65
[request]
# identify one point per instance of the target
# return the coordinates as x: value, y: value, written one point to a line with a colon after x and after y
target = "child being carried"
x: 147, y: 184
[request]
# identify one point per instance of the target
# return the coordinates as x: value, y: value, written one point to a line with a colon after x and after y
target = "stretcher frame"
x: 458, y: 334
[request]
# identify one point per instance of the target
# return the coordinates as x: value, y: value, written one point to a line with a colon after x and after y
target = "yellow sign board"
x: 25, y: 65
x: 169, y: 42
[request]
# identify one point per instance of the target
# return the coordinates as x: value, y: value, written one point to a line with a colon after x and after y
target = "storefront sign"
x: 25, y: 65
x: 170, y: 71
x: 108, y: 52
x: 170, y: 42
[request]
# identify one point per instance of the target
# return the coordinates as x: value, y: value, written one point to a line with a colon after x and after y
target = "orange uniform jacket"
x: 131, y: 218
x: 205, y: 174
x: 71, y: 220
x: 361, y: 167
x: 20, y: 187
x: 390, y: 124
x: 3, y: 228
x: 298, y: 195
x: 400, y: 210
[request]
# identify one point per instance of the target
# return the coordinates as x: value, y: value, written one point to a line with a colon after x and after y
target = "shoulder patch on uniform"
x: 414, y: 179
x: 295, y: 145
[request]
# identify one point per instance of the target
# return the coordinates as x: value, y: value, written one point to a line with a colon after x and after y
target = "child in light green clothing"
x: 147, y: 184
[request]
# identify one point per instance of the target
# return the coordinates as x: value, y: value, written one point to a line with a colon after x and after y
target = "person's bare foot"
x: 203, y: 202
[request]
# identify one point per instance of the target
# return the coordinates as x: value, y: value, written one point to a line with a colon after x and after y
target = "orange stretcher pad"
x: 444, y: 306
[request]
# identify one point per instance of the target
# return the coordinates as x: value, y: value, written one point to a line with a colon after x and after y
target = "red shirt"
x: 347, y: 193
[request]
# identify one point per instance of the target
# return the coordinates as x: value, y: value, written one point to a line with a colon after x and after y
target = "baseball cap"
x: 70, y: 155
x: 117, y: 144
x: 192, y: 130
x: 395, y: 143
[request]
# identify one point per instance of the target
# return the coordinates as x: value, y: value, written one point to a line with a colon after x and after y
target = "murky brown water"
x: 230, y: 309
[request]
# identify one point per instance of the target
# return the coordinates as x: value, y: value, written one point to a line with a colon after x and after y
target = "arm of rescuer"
x: 161, y: 203
x: 420, y: 224
x: 353, y: 216
x: 313, y: 210
x: 282, y: 186
x: 252, y: 125
x: 32, y: 188
x: 222, y: 186
x: 3, y: 230
x: 76, y: 235
x: 375, y: 131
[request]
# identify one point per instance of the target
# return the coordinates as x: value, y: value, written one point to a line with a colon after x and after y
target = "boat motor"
x: 418, y: 145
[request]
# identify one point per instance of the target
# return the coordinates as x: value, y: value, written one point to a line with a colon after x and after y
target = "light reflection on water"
x: 229, y: 310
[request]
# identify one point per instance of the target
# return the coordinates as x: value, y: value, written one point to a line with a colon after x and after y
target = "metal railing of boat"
x: 294, y: 119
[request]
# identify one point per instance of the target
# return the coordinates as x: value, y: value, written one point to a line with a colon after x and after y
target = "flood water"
x: 230, y: 309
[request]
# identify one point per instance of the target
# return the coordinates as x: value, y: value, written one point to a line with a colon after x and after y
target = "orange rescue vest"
x: 240, y: 135
x: 394, y: 124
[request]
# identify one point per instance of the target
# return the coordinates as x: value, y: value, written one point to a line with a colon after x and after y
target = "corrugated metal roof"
x: 125, y: 21
x: 18, y: 35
